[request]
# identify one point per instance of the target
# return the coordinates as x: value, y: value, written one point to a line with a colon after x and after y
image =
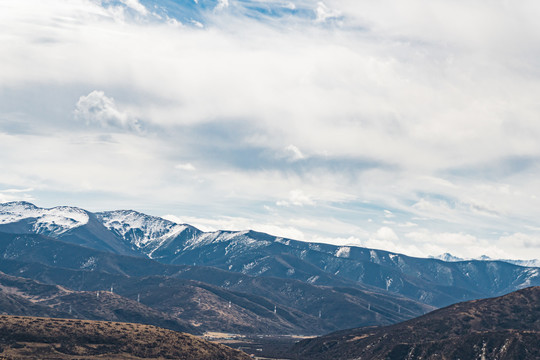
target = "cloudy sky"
x: 411, y: 126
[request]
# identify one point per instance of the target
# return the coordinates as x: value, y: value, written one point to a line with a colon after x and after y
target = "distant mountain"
x: 451, y: 258
x: 40, y: 338
x: 68, y: 224
x: 448, y: 257
x: 430, y: 281
x: 506, y: 327
x: 225, y: 301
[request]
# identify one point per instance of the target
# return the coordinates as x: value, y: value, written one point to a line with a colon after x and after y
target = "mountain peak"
x: 138, y: 228
x: 18, y: 204
x: 55, y: 220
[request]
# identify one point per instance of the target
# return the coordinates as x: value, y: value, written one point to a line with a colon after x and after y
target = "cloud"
x: 293, y: 153
x: 185, y: 167
x: 238, y: 224
x: 8, y: 195
x: 136, y: 5
x: 394, y: 106
x: 521, y: 240
x: 98, y: 109
x: 323, y: 13
x: 339, y: 241
x: 222, y: 4
x: 386, y: 233
x: 296, y: 198
x: 442, y: 239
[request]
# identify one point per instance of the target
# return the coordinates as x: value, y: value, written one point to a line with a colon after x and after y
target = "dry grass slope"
x: 502, y: 328
x: 43, y: 338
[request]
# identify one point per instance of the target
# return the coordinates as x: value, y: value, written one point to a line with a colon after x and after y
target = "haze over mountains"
x: 244, y: 282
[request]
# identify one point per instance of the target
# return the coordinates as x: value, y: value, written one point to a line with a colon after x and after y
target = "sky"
x: 410, y: 126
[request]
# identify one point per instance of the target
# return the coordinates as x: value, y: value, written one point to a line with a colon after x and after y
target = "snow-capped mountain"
x: 451, y: 258
x: 141, y: 231
x: 65, y: 223
x: 53, y: 222
x: 430, y: 281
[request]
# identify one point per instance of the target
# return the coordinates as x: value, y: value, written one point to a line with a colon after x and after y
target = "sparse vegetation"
x: 30, y: 337
x: 503, y: 328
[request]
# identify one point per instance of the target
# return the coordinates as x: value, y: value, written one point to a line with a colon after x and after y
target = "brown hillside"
x: 506, y: 327
x: 43, y: 338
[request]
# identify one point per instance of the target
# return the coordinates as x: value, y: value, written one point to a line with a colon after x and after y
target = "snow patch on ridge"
x: 139, y: 229
x: 451, y: 258
x: 343, y: 252
x: 218, y: 236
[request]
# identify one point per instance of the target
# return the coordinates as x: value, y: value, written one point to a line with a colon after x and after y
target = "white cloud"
x: 8, y: 195
x: 222, y: 4
x: 296, y: 198
x: 434, y: 103
x: 185, y: 167
x: 386, y: 233
x: 442, y: 239
x: 238, y: 224
x: 521, y: 240
x: 339, y: 241
x: 293, y: 153
x: 16, y: 191
x: 136, y: 5
x: 323, y: 13
x: 98, y: 109
x: 385, y: 238
x: 289, y: 5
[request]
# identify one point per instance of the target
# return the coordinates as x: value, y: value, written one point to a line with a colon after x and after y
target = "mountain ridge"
x: 54, y: 262
x: 430, y: 281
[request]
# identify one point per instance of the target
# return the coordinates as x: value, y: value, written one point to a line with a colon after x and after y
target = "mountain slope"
x: 506, y: 327
x: 20, y: 296
x: 30, y: 337
x: 171, y: 289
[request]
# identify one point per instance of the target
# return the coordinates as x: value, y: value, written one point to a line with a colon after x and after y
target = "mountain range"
x: 450, y: 257
x: 283, y: 285
x: 225, y: 301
